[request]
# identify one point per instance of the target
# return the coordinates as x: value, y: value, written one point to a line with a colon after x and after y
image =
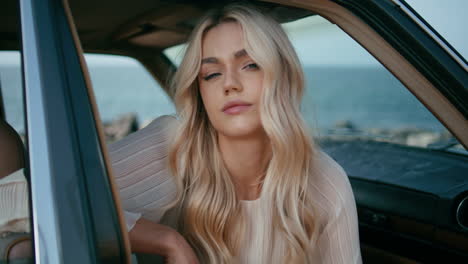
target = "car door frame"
x: 75, y: 216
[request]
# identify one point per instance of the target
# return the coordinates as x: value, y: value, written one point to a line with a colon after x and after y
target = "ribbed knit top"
x: 14, y: 210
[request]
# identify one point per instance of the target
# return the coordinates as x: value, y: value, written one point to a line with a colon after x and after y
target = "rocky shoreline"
x: 120, y: 127
x: 410, y: 136
x: 342, y: 130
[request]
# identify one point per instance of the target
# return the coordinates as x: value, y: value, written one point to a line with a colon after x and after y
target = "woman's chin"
x: 241, y: 131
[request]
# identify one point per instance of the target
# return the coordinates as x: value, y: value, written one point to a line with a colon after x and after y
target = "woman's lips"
x: 235, y: 107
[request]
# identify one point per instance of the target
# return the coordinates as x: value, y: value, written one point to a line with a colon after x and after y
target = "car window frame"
x: 75, y: 214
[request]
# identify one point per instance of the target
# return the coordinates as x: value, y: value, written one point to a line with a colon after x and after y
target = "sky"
x: 326, y: 44
x: 448, y: 17
x: 319, y: 42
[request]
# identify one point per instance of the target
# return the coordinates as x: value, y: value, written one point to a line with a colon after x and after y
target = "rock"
x: 378, y: 131
x: 121, y: 127
x: 422, y: 139
x: 418, y: 137
x: 345, y: 124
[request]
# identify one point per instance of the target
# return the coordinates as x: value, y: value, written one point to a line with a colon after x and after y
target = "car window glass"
x: 349, y: 93
x: 128, y: 97
x: 447, y: 18
x: 175, y: 53
x: 12, y: 92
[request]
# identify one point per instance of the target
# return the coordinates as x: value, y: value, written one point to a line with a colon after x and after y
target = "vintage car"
x: 410, y: 182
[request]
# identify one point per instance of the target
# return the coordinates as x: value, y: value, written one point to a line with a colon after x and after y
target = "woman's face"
x: 230, y: 83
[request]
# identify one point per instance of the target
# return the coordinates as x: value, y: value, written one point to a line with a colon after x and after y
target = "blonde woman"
x: 246, y: 183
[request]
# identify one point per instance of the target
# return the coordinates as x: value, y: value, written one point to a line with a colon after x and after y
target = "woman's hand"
x: 151, y: 238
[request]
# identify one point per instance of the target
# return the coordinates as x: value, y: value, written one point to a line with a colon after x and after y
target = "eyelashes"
x: 211, y: 76
x: 250, y: 66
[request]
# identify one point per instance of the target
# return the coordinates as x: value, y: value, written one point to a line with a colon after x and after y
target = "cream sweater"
x: 14, y: 210
x: 139, y: 165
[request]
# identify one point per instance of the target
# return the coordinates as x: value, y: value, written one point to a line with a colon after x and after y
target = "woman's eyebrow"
x: 209, y: 60
x: 237, y: 54
x: 240, y: 53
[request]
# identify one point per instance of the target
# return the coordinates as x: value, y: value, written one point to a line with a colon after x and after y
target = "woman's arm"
x: 146, y: 189
x: 338, y: 243
x: 151, y: 238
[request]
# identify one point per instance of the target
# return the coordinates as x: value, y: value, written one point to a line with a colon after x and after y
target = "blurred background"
x: 348, y: 92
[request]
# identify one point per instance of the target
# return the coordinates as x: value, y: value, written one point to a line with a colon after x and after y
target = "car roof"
x: 104, y: 25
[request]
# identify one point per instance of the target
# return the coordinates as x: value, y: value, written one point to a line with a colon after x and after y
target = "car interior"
x: 16, y: 245
x: 12, y: 154
x: 409, y: 211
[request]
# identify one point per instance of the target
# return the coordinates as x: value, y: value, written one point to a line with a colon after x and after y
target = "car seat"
x: 15, y: 247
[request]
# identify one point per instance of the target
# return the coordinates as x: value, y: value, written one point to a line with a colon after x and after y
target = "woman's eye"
x: 210, y: 76
x: 251, y: 66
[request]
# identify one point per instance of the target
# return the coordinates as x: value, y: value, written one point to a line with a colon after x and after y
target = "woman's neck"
x: 246, y: 160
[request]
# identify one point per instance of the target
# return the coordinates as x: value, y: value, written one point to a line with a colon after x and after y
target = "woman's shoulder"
x: 164, y: 121
x: 156, y: 133
x: 159, y: 126
x: 326, y: 166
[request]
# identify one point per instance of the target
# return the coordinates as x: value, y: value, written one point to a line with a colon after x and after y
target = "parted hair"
x: 211, y: 215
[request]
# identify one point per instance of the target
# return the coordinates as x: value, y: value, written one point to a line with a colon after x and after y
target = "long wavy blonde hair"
x: 211, y: 215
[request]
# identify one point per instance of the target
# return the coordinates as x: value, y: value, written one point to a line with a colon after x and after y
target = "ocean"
x: 368, y: 96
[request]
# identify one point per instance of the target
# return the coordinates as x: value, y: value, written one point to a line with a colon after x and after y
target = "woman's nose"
x: 231, y: 83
